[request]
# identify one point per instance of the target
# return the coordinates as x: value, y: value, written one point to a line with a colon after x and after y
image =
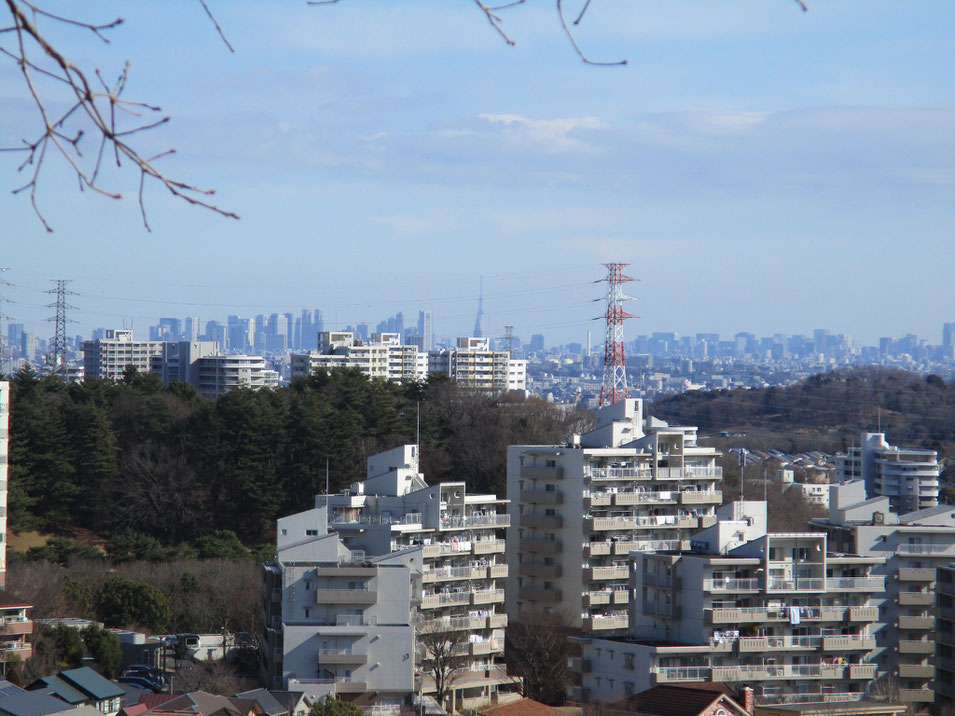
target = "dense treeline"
x: 827, y: 411
x: 147, y: 465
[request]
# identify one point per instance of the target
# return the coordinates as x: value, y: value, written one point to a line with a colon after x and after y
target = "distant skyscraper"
x: 948, y: 335
x: 537, y: 342
x: 241, y: 333
x: 191, y: 329
x: 479, y: 320
x: 426, y: 330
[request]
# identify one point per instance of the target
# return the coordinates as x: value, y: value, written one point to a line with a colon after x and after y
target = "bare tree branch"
x: 36, y: 57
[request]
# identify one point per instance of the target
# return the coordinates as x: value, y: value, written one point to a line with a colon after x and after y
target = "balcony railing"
x: 618, y: 473
x: 776, y: 643
x: 806, y: 584
x: 924, y: 549
x: 731, y: 585
x: 668, y: 674
x: 865, y: 584
x: 451, y: 522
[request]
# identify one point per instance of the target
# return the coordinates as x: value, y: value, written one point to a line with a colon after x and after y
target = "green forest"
x: 826, y: 411
x: 164, y: 473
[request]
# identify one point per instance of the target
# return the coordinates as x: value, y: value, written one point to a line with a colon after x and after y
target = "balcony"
x: 593, y: 574
x: 461, y: 522
x: 552, y: 522
x: 596, y: 623
x: 924, y: 549
x: 450, y: 574
x: 731, y: 585
x: 916, y: 622
x: 701, y: 497
x: 529, y: 569
x: 863, y: 671
x: 541, y: 546
x: 540, y: 594
x: 807, y: 584
x: 597, y: 499
x: 855, y: 584
x: 916, y: 671
x: 497, y: 621
x: 488, y: 546
x: 497, y: 571
x: 487, y: 596
x: 597, y: 598
x: 863, y: 614
x: 621, y: 596
x: 12, y: 626
x: 852, y: 642
x: 540, y: 472
x: 346, y: 596
x: 623, y: 499
x: 453, y: 624
x: 757, y: 644
x: 444, y: 599
x: 341, y: 656
x: 618, y: 473
x: 601, y: 524
x: 676, y: 674
x: 916, y: 696
x: 481, y: 648
x: 759, y: 672
x: 916, y: 599
x: 542, y: 497
x: 912, y: 646
x: 598, y: 549
x: 911, y: 574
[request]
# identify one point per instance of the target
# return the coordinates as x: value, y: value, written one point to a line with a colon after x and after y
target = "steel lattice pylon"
x: 58, y: 353
x: 614, y: 386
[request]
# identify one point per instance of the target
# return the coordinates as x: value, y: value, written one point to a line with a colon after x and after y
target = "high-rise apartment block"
x: 202, y: 365
x: 4, y: 460
x: 579, y: 509
x: 107, y: 358
x: 907, y: 476
x: 775, y: 611
x: 945, y: 632
x: 472, y: 364
x: 912, y: 546
x: 321, y: 622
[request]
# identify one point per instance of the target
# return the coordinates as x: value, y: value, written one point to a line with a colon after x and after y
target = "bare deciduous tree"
x: 443, y: 656
x: 536, y: 649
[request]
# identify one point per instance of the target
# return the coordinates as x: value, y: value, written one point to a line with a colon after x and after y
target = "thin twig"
x: 495, y: 20
x: 216, y: 23
x: 573, y: 41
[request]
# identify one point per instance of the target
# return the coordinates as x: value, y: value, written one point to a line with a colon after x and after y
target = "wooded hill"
x: 145, y: 466
x: 825, y: 412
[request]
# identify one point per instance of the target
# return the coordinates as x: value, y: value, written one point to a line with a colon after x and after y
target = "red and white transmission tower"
x: 614, y: 385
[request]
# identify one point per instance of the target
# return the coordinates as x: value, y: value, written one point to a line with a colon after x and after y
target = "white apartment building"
x: 581, y: 508
x: 202, y: 365
x: 775, y: 611
x: 382, y: 357
x: 4, y: 466
x: 912, y: 546
x: 334, y: 622
x: 451, y: 544
x: 472, y: 364
x: 907, y: 476
x: 107, y: 358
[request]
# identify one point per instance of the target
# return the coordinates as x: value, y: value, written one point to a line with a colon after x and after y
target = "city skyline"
x: 760, y: 168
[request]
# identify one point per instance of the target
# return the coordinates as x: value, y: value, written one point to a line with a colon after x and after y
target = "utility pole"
x: 57, y: 356
x: 3, y: 336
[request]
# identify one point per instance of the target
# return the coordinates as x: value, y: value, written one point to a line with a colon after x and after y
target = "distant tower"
x: 479, y: 321
x: 614, y: 385
x: 58, y: 352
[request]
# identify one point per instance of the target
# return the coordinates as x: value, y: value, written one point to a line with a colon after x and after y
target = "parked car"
x: 140, y: 683
x: 145, y: 672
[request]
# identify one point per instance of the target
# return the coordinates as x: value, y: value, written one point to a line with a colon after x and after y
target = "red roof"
x: 521, y: 707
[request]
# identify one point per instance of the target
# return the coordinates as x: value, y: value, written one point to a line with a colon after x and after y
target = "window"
x: 628, y: 664
x: 308, y: 612
x: 311, y: 533
x: 628, y: 688
x: 308, y: 585
x: 550, y: 488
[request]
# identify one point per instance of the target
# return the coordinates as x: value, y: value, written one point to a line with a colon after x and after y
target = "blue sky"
x: 761, y: 169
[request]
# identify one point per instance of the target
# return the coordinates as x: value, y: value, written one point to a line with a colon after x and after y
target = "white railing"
x: 618, y: 473
x: 731, y: 585
x: 682, y: 673
x: 806, y: 584
x: 455, y: 521
x: 413, y: 518
x: 875, y: 584
x: 355, y: 620
x: 923, y: 548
